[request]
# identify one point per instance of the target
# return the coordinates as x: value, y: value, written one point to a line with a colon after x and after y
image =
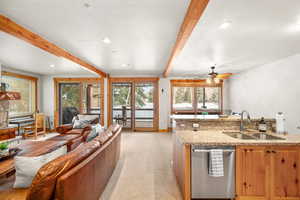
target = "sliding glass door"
x: 78, y: 95
x: 134, y: 103
x: 144, y: 105
x: 122, y: 104
x: 69, y: 101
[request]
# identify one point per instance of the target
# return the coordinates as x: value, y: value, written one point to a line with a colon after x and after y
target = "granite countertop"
x: 208, y: 138
x: 211, y: 118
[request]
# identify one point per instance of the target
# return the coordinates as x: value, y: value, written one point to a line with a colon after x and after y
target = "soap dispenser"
x: 262, y: 125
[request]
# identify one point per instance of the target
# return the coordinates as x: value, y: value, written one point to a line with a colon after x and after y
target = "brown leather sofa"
x: 81, y: 174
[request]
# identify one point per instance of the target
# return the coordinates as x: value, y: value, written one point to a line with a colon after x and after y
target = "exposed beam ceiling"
x: 12, y: 28
x: 194, y: 12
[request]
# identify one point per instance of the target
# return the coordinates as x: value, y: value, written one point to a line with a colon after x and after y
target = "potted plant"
x: 4, y: 150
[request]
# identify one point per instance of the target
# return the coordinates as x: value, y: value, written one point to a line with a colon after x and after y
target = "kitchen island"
x: 264, y: 169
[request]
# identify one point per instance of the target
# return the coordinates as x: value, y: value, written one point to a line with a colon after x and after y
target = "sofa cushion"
x: 104, y: 137
x: 43, y: 184
x: 75, y: 131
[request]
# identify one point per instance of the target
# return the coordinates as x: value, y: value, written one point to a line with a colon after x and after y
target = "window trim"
x: 26, y: 77
x: 194, y: 84
x: 57, y: 81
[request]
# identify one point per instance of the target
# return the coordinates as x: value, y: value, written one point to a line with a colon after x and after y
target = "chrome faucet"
x: 242, y: 128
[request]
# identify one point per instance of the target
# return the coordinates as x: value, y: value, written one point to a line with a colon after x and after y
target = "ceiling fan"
x: 215, y: 77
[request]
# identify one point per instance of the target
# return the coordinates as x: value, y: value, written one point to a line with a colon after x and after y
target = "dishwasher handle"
x: 207, y: 151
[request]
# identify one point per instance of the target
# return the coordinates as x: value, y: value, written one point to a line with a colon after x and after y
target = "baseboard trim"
x: 165, y: 130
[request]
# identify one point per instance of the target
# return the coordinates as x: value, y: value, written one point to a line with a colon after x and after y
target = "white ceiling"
x: 142, y: 34
x: 261, y: 31
x: 17, y: 54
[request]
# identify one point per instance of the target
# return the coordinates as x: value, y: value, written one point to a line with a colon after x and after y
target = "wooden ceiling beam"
x: 194, y: 12
x: 12, y: 28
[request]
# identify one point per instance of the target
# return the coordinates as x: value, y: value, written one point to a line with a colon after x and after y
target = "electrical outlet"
x: 195, y: 125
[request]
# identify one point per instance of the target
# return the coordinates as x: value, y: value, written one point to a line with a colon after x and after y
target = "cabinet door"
x: 252, y: 164
x: 285, y: 169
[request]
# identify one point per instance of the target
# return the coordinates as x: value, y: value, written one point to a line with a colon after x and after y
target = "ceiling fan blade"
x: 224, y: 75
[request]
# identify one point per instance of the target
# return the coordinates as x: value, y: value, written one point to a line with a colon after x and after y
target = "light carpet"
x: 144, y: 171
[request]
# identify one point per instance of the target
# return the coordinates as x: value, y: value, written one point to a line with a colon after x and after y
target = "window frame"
x: 196, y: 84
x: 35, y: 82
x: 90, y: 80
x: 134, y: 80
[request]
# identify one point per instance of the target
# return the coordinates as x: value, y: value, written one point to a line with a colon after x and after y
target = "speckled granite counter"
x: 212, y: 118
x: 208, y: 138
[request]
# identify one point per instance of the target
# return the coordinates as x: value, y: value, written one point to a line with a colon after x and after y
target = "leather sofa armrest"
x: 64, y: 128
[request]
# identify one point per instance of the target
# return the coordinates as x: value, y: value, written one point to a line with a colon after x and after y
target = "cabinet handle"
x: 273, y: 151
x: 268, y: 151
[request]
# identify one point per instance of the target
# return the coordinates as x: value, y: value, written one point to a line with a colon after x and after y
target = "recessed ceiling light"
x: 106, y: 40
x: 225, y: 25
x: 52, y: 66
x: 125, y: 65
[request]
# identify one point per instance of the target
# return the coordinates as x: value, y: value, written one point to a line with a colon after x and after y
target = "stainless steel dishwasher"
x: 207, y: 187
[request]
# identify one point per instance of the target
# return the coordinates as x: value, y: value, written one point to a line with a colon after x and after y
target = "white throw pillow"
x: 27, y: 167
x: 89, y: 118
x: 79, y: 124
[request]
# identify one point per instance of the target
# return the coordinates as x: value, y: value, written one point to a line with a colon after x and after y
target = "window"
x: 196, y: 96
x: 183, y: 98
x: 26, y: 86
x: 208, y: 98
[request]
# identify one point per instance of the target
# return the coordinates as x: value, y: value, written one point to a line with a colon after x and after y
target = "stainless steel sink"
x: 263, y: 136
x: 239, y: 135
x: 252, y: 136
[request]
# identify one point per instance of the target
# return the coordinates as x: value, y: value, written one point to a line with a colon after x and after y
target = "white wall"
x: 226, y: 96
x: 164, y: 103
x: 269, y: 89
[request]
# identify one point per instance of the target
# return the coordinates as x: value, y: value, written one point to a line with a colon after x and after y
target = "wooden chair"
x: 38, y: 128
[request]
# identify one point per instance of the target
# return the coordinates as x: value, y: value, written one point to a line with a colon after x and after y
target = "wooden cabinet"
x: 182, y: 166
x: 285, y: 173
x: 268, y: 173
x: 252, y: 172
